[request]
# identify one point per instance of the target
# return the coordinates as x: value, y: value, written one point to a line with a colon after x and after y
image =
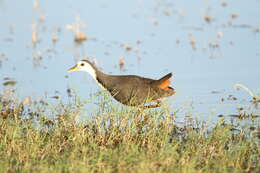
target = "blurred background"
x: 209, y: 45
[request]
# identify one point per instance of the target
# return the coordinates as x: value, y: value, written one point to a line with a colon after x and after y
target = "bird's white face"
x: 84, y: 66
x: 87, y: 67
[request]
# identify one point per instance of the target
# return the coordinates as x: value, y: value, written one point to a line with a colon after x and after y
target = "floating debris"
x: 80, y: 37
x: 42, y: 18
x: 35, y: 39
x: 54, y: 38
x: 193, y: 42
x: 231, y: 97
x: 76, y: 28
x: 69, y: 92
x: 7, y: 78
x: 216, y: 92
x: 233, y: 15
x: 37, y: 57
x: 121, y: 63
x: 214, y: 45
x: 8, y: 39
x: 55, y: 97
x: 241, y: 26
x: 224, y: 4
x: 194, y: 28
x: 256, y: 30
x: 138, y: 42
x: 221, y: 115
x: 127, y: 47
x: 240, y: 108
x: 219, y: 35
x: 168, y: 12
x: 11, y: 29
x: 155, y: 21
x: 9, y: 83
x: 37, y: 25
x: 36, y: 4
x: 244, y: 115
x: 106, y: 53
x: 208, y: 18
x: 2, y: 54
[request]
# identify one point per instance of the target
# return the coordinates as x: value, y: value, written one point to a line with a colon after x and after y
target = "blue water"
x: 160, y: 34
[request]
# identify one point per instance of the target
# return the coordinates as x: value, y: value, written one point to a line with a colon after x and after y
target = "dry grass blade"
x: 239, y: 85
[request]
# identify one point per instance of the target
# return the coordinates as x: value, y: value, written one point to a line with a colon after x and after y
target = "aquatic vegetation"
x: 119, y: 139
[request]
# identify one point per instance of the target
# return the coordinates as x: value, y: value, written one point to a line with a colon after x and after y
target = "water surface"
x: 208, y: 45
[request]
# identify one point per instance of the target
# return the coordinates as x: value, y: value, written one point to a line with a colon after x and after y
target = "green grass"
x: 118, y: 139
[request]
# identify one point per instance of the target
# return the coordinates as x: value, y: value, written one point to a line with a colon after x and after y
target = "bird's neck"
x: 97, y: 75
x: 101, y: 79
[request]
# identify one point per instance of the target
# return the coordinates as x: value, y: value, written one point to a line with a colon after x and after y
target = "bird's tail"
x: 164, y: 82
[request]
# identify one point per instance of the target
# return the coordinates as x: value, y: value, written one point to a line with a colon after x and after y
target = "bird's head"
x: 84, y: 65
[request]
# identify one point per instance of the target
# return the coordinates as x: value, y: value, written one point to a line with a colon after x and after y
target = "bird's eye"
x: 82, y: 64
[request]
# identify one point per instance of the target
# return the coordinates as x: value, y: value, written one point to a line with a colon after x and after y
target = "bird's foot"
x: 158, y: 104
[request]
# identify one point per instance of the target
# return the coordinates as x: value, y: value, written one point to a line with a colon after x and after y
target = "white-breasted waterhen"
x: 129, y: 90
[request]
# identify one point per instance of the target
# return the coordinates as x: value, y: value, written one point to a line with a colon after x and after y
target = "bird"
x: 130, y: 90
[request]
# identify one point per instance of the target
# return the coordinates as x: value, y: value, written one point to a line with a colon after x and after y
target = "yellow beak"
x: 75, y: 68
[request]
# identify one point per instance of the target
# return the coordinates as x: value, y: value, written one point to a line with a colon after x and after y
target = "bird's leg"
x: 141, y: 119
x: 158, y: 103
x: 140, y: 111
